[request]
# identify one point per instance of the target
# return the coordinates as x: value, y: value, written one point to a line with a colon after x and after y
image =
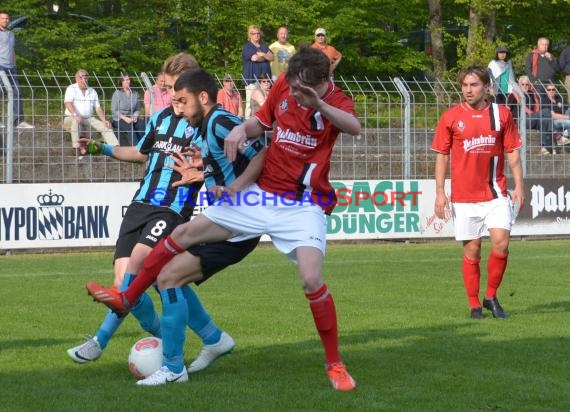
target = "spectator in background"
x: 80, y: 100
x: 125, y: 107
x: 8, y: 64
x: 161, y: 97
x: 502, y: 75
x: 541, y: 66
x: 560, y: 114
x: 321, y: 43
x: 564, y: 63
x: 259, y: 95
x: 256, y: 57
x: 282, y: 51
x: 229, y: 97
x: 536, y: 118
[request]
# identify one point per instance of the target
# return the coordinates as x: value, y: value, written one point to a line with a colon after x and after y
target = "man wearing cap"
x: 502, y: 75
x: 321, y: 43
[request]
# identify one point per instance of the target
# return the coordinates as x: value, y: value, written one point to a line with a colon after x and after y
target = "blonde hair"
x: 252, y: 27
x: 178, y: 63
x: 524, y: 78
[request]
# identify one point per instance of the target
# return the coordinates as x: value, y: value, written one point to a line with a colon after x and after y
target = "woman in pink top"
x: 161, y: 97
x: 229, y: 97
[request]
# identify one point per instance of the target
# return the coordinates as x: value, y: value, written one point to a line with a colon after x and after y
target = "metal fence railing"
x: 398, y: 118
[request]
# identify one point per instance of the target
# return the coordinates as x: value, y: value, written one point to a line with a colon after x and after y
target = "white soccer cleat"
x: 25, y: 125
x: 164, y: 376
x: 210, y: 353
x: 87, y: 352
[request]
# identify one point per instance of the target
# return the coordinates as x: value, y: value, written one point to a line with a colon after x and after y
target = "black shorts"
x: 219, y: 255
x: 144, y: 224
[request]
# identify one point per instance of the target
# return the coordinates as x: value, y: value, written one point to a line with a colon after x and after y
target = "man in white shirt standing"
x: 80, y: 100
x: 8, y: 64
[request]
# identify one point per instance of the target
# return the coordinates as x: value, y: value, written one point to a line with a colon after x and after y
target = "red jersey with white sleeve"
x: 297, y: 162
x: 477, y: 141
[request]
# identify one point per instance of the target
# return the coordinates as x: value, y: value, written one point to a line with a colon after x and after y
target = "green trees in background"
x: 377, y: 38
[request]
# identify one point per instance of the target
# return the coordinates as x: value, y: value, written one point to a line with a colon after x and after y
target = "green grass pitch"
x: 404, y: 329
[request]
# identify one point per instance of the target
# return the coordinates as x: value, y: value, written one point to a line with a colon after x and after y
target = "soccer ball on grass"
x: 145, y: 357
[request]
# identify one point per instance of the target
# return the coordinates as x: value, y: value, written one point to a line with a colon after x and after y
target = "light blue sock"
x: 111, y: 322
x: 107, y: 329
x: 143, y: 310
x: 199, y: 320
x: 173, y: 328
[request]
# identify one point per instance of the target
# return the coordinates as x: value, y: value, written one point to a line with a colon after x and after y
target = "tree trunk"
x: 436, y: 38
x: 474, y: 25
x: 491, y: 26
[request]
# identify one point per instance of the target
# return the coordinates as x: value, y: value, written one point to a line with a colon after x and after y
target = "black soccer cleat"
x: 495, y: 307
x: 477, y: 313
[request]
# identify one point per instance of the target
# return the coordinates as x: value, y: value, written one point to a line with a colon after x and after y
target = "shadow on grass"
x: 559, y: 306
x: 467, y: 365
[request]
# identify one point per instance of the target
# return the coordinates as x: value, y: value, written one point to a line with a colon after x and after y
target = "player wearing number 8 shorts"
x: 159, y: 205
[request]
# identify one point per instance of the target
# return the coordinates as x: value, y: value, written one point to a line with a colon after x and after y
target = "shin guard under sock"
x: 111, y: 322
x: 496, y: 266
x: 199, y: 320
x: 173, y: 328
x: 471, y: 279
x: 144, y: 312
x: 108, y: 328
x: 324, y: 313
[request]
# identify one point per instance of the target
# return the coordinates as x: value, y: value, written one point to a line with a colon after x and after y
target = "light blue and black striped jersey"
x: 166, y: 134
x: 218, y: 170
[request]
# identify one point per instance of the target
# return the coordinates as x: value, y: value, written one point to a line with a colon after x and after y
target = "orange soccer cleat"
x: 111, y: 297
x: 339, y: 377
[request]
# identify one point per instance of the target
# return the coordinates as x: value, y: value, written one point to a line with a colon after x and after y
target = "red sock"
x: 324, y: 314
x: 471, y: 279
x: 160, y: 255
x: 496, y: 266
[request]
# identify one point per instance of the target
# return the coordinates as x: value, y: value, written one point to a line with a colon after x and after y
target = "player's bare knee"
x: 311, y: 282
x: 180, y: 234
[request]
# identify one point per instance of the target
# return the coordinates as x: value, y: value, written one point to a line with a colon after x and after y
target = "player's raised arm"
x: 124, y: 153
x: 308, y: 97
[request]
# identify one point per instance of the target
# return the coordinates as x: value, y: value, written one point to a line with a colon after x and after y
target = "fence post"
x: 522, y: 125
x: 407, y: 125
x: 148, y: 86
x: 9, y: 128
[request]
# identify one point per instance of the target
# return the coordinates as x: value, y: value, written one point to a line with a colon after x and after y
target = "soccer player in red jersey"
x: 291, y: 198
x: 478, y: 135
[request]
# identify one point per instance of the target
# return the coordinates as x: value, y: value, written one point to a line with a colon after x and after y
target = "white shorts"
x: 253, y: 212
x: 473, y: 220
